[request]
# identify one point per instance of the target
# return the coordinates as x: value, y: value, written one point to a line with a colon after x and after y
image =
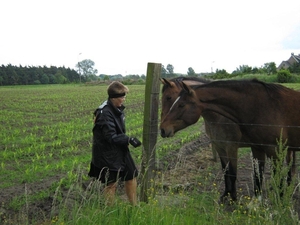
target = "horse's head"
x: 178, y: 107
x: 170, y: 91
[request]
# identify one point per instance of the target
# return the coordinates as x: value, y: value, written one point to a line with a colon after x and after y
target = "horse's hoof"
x: 227, y: 199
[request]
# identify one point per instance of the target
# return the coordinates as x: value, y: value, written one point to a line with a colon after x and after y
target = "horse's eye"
x: 168, y: 98
x: 181, y: 105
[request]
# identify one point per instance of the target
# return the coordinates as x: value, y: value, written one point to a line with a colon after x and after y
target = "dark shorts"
x: 107, y: 176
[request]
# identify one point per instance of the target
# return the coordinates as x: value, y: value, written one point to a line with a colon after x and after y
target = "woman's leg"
x: 130, y: 189
x: 109, y: 193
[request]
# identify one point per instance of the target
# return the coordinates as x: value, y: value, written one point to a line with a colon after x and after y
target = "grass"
x: 181, y: 206
x: 45, y: 152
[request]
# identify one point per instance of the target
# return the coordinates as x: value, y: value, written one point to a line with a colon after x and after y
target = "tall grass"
x: 165, y: 208
x: 180, y: 205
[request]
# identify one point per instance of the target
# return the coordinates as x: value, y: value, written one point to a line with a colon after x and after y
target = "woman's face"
x: 118, y: 102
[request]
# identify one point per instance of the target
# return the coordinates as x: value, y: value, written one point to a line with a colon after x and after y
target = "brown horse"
x: 227, y: 133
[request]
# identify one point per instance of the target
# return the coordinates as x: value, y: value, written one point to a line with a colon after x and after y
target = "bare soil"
x: 184, y: 168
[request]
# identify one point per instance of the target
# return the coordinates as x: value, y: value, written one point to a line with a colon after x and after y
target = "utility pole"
x: 212, y: 66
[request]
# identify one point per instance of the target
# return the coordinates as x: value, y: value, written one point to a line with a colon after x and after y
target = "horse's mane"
x: 269, y: 87
x: 272, y: 86
x: 177, y: 81
x: 199, y: 79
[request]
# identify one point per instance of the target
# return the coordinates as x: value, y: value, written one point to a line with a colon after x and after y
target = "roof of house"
x: 296, y: 57
x: 287, y: 63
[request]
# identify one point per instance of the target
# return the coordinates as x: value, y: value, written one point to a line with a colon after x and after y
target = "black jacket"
x: 110, y: 143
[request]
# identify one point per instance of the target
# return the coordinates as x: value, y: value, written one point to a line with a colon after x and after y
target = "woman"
x: 111, y: 158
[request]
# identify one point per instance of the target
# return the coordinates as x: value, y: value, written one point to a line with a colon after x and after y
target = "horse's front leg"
x: 229, y: 166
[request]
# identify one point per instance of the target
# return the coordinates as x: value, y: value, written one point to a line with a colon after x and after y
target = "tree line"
x: 267, y: 68
x: 20, y: 75
x: 26, y: 75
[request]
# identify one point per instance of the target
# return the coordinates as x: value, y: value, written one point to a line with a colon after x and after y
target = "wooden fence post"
x: 150, y: 128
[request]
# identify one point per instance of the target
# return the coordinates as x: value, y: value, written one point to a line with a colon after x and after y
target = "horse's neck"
x: 223, y: 102
x: 210, y: 111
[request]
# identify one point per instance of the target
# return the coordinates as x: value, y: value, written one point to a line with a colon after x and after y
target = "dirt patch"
x: 193, y: 163
x: 184, y: 169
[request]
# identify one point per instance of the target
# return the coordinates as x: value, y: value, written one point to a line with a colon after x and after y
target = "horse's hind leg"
x: 291, y: 155
x: 259, y: 157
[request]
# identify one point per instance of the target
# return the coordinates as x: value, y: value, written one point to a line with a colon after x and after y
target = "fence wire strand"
x: 249, y: 144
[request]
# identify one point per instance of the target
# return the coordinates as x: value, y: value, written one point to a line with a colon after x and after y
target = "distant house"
x: 286, y: 64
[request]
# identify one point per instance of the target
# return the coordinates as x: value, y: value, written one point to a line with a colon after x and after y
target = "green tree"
x: 163, y: 72
x: 295, y: 68
x: 37, y: 82
x: 33, y: 74
x: 44, y: 79
x: 24, y: 76
x: 72, y: 75
x: 11, y: 73
x: 255, y: 70
x: 15, y: 78
x: 86, y: 68
x: 60, y: 79
x: 170, y: 69
x: 270, y: 68
x: 3, y: 75
x: 106, y: 78
x: 243, y: 69
x: 221, y: 74
x: 191, y: 72
x: 52, y: 79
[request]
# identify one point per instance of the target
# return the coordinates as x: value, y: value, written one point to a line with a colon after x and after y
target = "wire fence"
x: 250, y: 144
x: 294, y: 148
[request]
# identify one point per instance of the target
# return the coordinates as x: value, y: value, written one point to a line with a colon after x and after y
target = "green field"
x: 46, y: 134
x: 46, y: 147
x: 47, y: 129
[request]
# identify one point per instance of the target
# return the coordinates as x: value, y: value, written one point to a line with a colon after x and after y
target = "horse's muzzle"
x: 162, y: 133
x: 165, y: 134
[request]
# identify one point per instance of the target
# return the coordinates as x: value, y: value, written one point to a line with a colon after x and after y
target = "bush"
x: 284, y: 76
x: 36, y: 82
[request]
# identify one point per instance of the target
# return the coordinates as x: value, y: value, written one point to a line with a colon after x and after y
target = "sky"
x: 122, y: 36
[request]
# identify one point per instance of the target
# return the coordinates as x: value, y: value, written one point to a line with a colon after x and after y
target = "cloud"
x: 123, y: 36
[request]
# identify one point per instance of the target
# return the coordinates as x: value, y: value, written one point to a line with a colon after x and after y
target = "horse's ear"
x: 166, y: 82
x: 187, y: 88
